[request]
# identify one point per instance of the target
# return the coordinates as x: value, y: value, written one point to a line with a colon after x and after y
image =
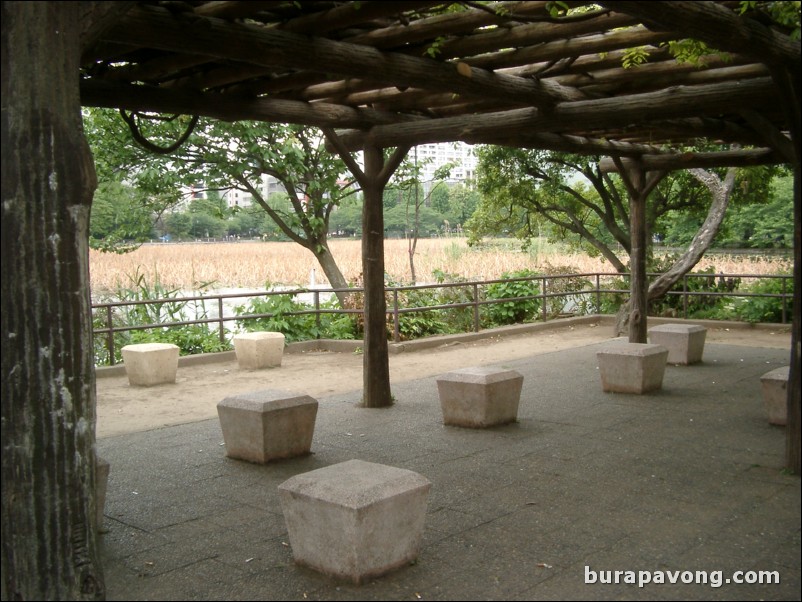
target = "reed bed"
x: 208, y: 266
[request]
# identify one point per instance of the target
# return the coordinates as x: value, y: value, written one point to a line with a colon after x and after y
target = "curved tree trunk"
x: 318, y: 245
x: 721, y: 192
x: 332, y: 271
x: 701, y: 242
x: 48, y: 390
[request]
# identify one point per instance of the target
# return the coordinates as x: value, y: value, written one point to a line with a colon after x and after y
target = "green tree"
x: 462, y: 203
x: 764, y: 225
x: 347, y: 219
x: 225, y: 156
x: 522, y: 188
x: 178, y: 225
x: 246, y: 222
x: 120, y: 217
x: 526, y: 183
x: 439, y: 199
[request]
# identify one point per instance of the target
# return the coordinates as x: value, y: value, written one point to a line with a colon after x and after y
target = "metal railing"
x: 586, y: 300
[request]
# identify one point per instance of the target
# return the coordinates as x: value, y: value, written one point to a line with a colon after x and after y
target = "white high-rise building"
x: 433, y: 156
x: 268, y: 186
x: 430, y: 158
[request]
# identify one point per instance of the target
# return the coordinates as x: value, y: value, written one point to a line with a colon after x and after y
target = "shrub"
x: 699, y: 304
x: 283, y: 314
x: 459, y: 319
x: 414, y: 325
x: 190, y: 338
x: 579, y: 303
x: 520, y: 289
x: 765, y: 309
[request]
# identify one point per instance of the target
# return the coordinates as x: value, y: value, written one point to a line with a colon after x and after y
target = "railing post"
x: 785, y: 301
x: 110, y: 339
x: 396, y: 319
x: 598, y: 293
x: 685, y: 296
x: 544, y: 300
x: 475, y: 307
x: 317, y: 312
x: 222, y: 322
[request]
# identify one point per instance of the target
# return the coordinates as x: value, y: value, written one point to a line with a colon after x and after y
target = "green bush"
x: 417, y: 324
x: 282, y: 317
x: 700, y: 305
x: 190, y: 338
x: 579, y: 303
x: 520, y: 289
x: 765, y: 309
x: 458, y: 319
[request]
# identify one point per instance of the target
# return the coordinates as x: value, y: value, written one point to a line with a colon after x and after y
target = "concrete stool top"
x: 257, y: 336
x: 634, y: 349
x: 265, y: 400
x: 678, y: 328
x: 782, y: 373
x: 355, y: 483
x: 145, y: 347
x: 479, y: 374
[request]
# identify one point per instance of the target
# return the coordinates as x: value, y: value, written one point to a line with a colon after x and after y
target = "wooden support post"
x: 376, y: 174
x: 639, y: 184
x: 376, y: 363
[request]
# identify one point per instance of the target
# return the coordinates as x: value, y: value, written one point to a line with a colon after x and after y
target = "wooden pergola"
x: 373, y: 76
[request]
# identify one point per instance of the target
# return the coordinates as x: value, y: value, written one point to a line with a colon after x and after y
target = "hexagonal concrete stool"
x: 480, y: 396
x: 632, y: 367
x: 267, y: 425
x: 685, y: 342
x: 257, y: 350
x: 355, y: 520
x: 148, y: 364
x: 775, y: 394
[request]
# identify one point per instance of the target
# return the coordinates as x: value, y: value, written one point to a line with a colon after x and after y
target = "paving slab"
x: 687, y: 478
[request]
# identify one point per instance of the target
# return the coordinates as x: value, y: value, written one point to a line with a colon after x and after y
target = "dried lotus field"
x: 192, y: 266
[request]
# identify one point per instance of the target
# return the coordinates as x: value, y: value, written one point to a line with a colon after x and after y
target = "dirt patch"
x: 198, y: 389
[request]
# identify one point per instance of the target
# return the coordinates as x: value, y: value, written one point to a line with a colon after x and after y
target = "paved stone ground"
x: 688, y: 478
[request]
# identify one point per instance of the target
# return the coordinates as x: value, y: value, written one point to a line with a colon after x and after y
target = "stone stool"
x: 478, y: 397
x: 632, y: 367
x: 149, y: 364
x: 267, y: 425
x: 257, y: 350
x: 775, y: 394
x: 355, y: 520
x: 685, y: 342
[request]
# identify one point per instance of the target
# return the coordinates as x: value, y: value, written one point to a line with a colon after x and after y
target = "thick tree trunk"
x: 639, y: 184
x: 48, y: 393
x: 639, y: 282
x: 376, y: 372
x: 332, y: 271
